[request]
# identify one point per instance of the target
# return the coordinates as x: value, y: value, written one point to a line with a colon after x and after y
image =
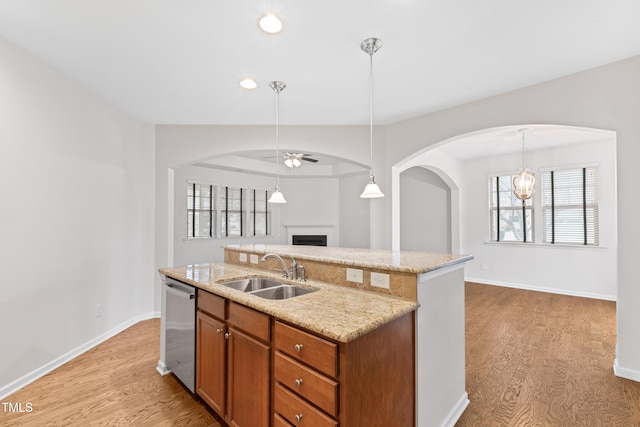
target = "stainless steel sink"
x: 250, y: 285
x: 267, y: 288
x: 282, y: 292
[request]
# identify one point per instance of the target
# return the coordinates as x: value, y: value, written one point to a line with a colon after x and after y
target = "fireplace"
x: 309, y: 239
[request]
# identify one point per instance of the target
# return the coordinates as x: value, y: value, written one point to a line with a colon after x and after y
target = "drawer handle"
x: 218, y: 330
x: 299, y: 382
x: 298, y: 418
x: 298, y: 347
x: 227, y: 335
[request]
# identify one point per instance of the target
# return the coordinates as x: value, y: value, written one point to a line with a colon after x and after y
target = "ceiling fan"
x: 294, y: 160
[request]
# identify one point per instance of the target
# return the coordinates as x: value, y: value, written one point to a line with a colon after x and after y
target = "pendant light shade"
x: 277, y: 196
x: 524, y: 182
x: 371, y: 46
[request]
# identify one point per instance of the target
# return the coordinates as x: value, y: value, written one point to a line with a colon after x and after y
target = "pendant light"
x: 523, y: 183
x: 277, y: 196
x: 371, y: 46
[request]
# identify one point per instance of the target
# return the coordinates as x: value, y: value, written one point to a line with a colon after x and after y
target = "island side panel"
x: 440, y: 348
x: 377, y: 377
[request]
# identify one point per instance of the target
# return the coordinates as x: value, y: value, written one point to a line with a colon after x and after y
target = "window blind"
x: 200, y: 210
x: 570, y: 206
x: 511, y: 219
x: 259, y: 213
x: 232, y: 212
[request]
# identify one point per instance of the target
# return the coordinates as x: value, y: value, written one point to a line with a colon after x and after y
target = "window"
x: 259, y: 214
x: 200, y: 210
x: 570, y: 206
x: 511, y: 218
x: 232, y: 211
x: 241, y: 212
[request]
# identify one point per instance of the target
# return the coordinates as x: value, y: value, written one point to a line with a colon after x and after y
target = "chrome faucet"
x: 285, y: 272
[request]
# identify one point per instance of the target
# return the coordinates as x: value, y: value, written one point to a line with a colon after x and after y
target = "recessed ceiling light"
x: 270, y: 24
x: 248, y: 83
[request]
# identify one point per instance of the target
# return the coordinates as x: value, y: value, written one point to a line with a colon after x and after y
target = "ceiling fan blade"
x: 309, y: 159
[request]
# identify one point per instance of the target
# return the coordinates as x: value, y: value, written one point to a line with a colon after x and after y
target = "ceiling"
x: 180, y: 61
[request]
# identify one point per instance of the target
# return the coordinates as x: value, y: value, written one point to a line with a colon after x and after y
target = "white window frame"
x: 194, y: 212
x: 218, y: 214
x: 585, y: 196
x: 495, y: 208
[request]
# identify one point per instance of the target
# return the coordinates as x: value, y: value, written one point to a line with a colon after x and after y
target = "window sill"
x: 546, y: 245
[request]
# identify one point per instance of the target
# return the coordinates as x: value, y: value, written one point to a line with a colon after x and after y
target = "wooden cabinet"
x: 233, y: 361
x: 368, y: 382
x: 211, y: 361
x: 310, y: 381
x: 249, y: 356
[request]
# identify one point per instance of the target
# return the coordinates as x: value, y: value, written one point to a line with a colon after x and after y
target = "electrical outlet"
x: 243, y: 257
x: 380, y: 280
x: 483, y: 267
x: 253, y: 258
x: 98, y: 310
x: 354, y: 275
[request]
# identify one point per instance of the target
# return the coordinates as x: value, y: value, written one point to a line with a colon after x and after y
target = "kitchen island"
x: 421, y: 293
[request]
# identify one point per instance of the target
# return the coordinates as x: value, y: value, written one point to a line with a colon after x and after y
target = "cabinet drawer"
x: 320, y: 390
x: 250, y: 321
x: 211, y: 304
x: 312, y: 350
x: 297, y: 411
x: 278, y: 421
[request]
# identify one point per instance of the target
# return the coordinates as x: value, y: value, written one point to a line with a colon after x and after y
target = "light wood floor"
x: 533, y: 359
x: 113, y: 384
x: 538, y: 359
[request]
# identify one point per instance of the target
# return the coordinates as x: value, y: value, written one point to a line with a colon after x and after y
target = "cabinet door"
x: 248, y: 381
x: 210, y: 362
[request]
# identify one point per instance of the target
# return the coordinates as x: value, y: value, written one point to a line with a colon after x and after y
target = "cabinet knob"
x: 227, y: 335
x: 298, y: 347
x: 299, y: 382
x: 298, y: 418
x: 218, y: 330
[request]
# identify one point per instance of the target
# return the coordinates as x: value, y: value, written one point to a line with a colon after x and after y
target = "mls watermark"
x: 17, y: 407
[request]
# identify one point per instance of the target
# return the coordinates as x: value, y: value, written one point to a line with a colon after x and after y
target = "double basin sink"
x: 267, y: 288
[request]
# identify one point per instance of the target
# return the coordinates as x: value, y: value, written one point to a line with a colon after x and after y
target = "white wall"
x: 425, y: 211
x: 607, y: 97
x: 354, y: 212
x: 583, y: 271
x: 76, y: 217
x: 311, y: 202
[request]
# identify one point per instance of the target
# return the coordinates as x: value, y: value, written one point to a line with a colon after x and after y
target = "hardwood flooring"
x: 539, y: 359
x: 113, y: 384
x: 533, y: 360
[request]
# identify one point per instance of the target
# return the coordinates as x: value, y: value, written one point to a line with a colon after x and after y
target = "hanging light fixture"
x: 293, y: 160
x: 277, y: 196
x: 371, y: 46
x: 523, y: 183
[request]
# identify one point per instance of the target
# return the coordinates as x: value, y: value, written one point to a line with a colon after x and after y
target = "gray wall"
x: 425, y: 211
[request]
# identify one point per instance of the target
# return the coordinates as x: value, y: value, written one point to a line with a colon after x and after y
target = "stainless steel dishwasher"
x: 180, y: 324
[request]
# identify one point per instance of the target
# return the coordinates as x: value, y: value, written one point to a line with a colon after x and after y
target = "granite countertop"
x: 402, y: 261
x: 337, y: 312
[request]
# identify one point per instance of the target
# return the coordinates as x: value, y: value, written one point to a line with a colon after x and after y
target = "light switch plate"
x: 253, y: 258
x: 380, y: 280
x: 354, y: 275
x: 243, y: 257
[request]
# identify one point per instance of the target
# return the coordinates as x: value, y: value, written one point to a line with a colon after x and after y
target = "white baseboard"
x: 162, y: 368
x: 27, y: 379
x: 543, y: 289
x: 630, y: 374
x: 456, y: 412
